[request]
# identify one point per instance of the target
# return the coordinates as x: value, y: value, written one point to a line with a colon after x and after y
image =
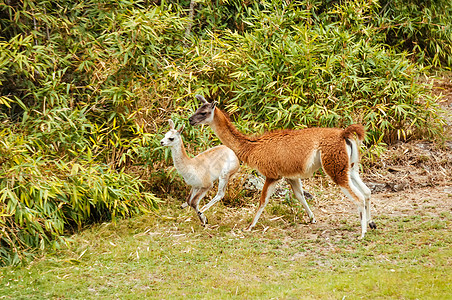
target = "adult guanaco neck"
x: 228, y: 134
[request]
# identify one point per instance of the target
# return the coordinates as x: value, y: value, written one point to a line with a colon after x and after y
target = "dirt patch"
x: 417, y: 164
x: 337, y: 217
x: 410, y: 165
x: 432, y: 201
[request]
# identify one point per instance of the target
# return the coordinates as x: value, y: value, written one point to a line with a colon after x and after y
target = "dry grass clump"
x: 411, y: 165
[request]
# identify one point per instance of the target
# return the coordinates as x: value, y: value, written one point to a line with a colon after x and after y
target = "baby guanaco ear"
x: 182, y: 128
x: 171, y: 124
x: 213, y: 104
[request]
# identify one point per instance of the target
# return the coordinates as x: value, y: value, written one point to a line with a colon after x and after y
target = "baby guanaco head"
x: 204, y: 114
x: 172, y: 137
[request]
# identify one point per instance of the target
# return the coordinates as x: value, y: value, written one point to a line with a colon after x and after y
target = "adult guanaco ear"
x: 171, y: 123
x: 182, y: 128
x: 213, y: 104
x: 201, y: 98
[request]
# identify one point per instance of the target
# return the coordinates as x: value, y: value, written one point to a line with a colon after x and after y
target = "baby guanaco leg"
x: 194, y: 202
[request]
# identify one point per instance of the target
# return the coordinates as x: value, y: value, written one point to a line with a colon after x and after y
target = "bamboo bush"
x: 68, y: 133
x: 421, y: 27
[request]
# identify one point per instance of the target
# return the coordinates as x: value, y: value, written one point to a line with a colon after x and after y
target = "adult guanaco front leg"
x: 267, y: 191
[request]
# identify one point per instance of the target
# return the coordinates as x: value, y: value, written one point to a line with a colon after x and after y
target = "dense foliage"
x: 421, y: 27
x: 86, y: 88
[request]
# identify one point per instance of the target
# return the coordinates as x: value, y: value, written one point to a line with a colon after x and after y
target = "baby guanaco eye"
x: 171, y: 139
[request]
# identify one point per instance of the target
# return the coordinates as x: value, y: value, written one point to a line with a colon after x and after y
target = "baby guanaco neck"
x: 180, y: 156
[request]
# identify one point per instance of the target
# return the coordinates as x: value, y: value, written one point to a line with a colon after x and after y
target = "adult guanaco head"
x: 204, y: 114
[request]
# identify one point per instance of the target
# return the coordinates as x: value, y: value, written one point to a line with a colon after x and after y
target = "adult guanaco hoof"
x: 372, y: 225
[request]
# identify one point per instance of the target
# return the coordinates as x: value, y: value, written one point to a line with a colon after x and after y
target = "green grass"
x: 172, y: 256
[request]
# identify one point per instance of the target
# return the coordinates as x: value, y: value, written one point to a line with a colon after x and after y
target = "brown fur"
x: 357, y: 129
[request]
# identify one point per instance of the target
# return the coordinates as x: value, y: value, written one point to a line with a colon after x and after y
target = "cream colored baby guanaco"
x: 201, y: 171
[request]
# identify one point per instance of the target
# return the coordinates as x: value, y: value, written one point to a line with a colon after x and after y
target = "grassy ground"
x: 169, y: 255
